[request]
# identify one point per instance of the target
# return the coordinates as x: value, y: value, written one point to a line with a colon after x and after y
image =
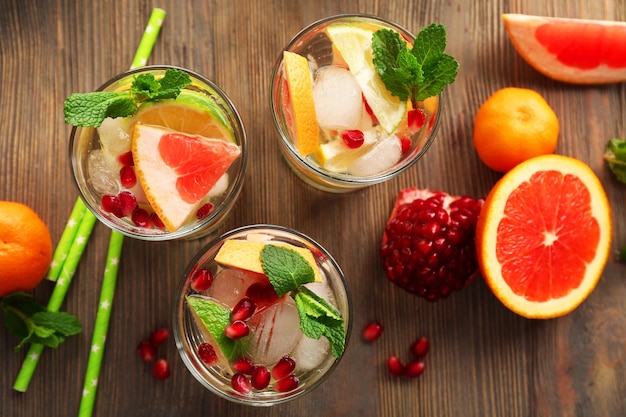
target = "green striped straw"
x: 68, y: 236
x: 115, y: 249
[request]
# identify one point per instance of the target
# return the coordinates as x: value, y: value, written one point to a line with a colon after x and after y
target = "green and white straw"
x: 68, y: 236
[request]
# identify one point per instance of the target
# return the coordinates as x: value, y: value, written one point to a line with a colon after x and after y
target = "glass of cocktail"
x: 248, y: 333
x: 173, y: 169
x: 340, y: 126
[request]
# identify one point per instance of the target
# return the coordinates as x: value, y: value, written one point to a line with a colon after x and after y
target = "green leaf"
x: 285, y: 268
x: 615, y: 156
x: 59, y: 322
x: 90, y: 109
x: 622, y: 254
x: 172, y: 82
x: 145, y: 85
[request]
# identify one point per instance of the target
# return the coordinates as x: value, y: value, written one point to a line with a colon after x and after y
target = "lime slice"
x: 355, y: 46
x: 212, y: 319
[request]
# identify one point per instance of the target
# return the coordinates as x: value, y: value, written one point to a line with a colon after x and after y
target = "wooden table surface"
x: 484, y: 360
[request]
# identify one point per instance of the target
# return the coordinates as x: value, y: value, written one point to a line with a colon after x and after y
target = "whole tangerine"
x: 512, y: 126
x: 25, y: 248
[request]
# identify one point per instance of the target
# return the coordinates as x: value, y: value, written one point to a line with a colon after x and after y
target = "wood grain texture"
x: 484, y: 360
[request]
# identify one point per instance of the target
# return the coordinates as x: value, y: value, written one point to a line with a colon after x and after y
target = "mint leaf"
x: 215, y: 318
x: 622, y: 254
x: 285, y: 268
x: 58, y: 322
x: 318, y: 317
x: 171, y: 84
x: 615, y: 156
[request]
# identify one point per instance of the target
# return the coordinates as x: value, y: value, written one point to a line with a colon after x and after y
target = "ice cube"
x: 103, y: 172
x: 220, y: 186
x: 275, y: 332
x: 115, y: 135
x: 322, y: 290
x: 230, y: 285
x: 384, y: 155
x: 310, y: 353
x: 338, y: 99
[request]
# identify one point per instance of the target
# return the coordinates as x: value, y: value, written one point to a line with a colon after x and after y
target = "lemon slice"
x: 355, y: 46
x: 336, y: 156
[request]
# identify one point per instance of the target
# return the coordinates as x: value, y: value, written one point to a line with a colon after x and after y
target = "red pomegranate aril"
x: 146, y: 351
x: 406, y: 145
x: 126, y: 159
x: 161, y: 369
x: 369, y: 110
x: 372, y: 331
x: 207, y: 354
x: 156, y: 221
x: 283, y: 367
x: 140, y: 217
x: 128, y: 202
x: 262, y: 293
x: 202, y: 279
x: 415, y: 368
x: 395, y: 366
x: 353, y: 138
x: 159, y: 337
x: 204, y: 211
x: 243, y: 366
x: 420, y: 347
x: 128, y: 178
x: 288, y: 383
x: 240, y: 383
x: 416, y: 119
x: 237, y: 329
x: 260, y: 377
x: 243, y: 310
x: 111, y: 204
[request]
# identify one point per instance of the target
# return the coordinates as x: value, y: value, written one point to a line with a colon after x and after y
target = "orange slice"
x: 300, y: 86
x: 177, y: 170
x: 578, y: 51
x: 544, y: 235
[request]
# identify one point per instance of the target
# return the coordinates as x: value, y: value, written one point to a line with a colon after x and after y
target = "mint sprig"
x: 90, y: 109
x: 615, y: 157
x: 288, y: 271
x: 419, y: 72
x: 33, y: 323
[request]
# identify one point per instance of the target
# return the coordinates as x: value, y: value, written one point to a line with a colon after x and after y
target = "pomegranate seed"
x: 416, y: 119
x: 207, y: 354
x: 126, y: 159
x: 394, y: 365
x: 369, y: 110
x: 204, y: 211
x: 161, y: 369
x: 111, y: 204
x: 159, y: 337
x: 283, y: 367
x: 146, y: 351
x: 372, y: 331
x: 237, y: 329
x: 286, y: 384
x: 140, y: 218
x: 243, y: 310
x: 240, y: 383
x: 128, y: 202
x: 415, y: 368
x: 243, y: 366
x: 353, y: 138
x: 156, y: 221
x: 202, y: 280
x: 262, y: 293
x: 406, y: 145
x: 420, y: 347
x: 260, y: 377
x: 127, y: 176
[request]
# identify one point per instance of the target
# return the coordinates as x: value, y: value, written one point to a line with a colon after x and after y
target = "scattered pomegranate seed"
x: 394, y: 365
x: 204, y: 211
x: 416, y: 119
x: 420, y: 347
x: 415, y: 368
x: 406, y: 145
x: 243, y: 310
x: 243, y: 366
x: 289, y: 383
x: 159, y: 337
x: 372, y: 331
x: 127, y: 176
x: 207, y: 354
x: 111, y: 204
x: 140, y: 218
x: 260, y: 377
x: 156, y: 221
x: 128, y: 202
x: 283, y: 367
x: 353, y: 138
x: 146, y: 351
x: 161, y: 369
x: 126, y: 159
x: 237, y: 329
x: 202, y: 279
x: 240, y: 383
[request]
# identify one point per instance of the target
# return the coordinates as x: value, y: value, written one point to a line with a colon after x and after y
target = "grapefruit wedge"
x: 577, y: 51
x: 544, y: 236
x: 177, y: 170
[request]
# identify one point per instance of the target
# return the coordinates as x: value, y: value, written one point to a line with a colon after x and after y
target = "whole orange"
x: 513, y: 125
x: 25, y: 248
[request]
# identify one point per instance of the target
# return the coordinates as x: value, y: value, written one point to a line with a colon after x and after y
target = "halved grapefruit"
x: 177, y: 170
x: 577, y: 51
x: 544, y: 236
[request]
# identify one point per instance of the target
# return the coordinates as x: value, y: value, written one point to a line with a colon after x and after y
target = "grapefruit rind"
x: 492, y: 213
x: 521, y: 30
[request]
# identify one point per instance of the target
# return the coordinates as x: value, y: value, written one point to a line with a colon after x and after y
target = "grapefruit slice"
x: 177, y: 170
x: 544, y: 236
x: 577, y: 51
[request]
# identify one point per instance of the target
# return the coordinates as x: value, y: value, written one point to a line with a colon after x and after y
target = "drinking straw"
x: 149, y: 38
x: 102, y: 325
x: 58, y: 295
x: 69, y: 233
